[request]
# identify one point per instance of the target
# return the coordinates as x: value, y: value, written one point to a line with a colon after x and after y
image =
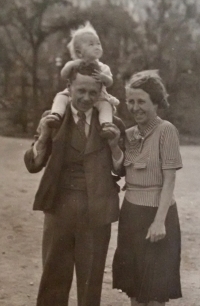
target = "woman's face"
x: 140, y: 106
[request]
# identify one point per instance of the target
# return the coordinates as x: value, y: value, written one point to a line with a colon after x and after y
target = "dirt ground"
x: 21, y: 231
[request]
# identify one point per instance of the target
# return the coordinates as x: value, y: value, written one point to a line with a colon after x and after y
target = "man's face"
x: 84, y: 92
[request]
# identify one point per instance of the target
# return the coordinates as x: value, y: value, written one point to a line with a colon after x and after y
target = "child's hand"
x: 102, y: 78
x: 99, y: 76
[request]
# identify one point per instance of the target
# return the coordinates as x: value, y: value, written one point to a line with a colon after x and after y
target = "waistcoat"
x: 73, y: 175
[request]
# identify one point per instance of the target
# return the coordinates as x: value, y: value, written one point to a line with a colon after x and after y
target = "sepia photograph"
x: 99, y: 152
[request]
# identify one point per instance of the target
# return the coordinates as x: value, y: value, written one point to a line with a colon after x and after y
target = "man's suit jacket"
x: 102, y: 190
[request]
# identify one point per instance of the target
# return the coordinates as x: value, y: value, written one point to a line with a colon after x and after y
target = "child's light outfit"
x: 105, y: 104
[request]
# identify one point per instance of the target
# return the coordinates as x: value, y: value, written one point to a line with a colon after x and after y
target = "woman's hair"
x: 76, y: 36
x: 151, y: 83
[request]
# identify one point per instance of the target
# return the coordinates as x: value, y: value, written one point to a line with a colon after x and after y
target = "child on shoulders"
x: 85, y: 48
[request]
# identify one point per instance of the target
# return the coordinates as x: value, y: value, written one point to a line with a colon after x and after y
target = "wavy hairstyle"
x: 151, y: 83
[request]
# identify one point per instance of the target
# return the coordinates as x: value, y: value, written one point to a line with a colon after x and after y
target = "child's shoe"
x: 106, y: 133
x: 54, y: 120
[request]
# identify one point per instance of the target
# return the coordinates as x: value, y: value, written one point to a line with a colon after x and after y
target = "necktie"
x: 81, y: 124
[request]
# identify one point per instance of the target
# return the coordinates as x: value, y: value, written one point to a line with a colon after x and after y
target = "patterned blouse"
x: 146, y: 155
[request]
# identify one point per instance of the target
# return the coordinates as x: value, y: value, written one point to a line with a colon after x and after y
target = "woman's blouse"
x: 146, y: 156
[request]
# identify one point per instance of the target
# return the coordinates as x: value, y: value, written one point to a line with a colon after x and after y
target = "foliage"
x: 161, y: 34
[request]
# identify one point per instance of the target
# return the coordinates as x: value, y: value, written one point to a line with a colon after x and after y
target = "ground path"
x: 21, y: 231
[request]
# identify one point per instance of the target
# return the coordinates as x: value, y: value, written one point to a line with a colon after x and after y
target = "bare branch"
x: 18, y: 53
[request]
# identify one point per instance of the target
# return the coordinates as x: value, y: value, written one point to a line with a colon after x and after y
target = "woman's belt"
x: 142, y: 188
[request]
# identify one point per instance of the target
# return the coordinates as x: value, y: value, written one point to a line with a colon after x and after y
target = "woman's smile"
x: 141, y: 106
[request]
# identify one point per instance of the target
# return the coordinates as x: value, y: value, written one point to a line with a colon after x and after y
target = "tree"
x: 136, y: 35
x: 26, y: 26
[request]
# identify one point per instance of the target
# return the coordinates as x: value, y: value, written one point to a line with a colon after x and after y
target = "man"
x: 78, y: 194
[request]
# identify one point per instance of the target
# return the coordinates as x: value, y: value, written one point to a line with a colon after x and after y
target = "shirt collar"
x: 153, y: 123
x: 136, y: 138
x: 88, y: 114
x: 136, y: 135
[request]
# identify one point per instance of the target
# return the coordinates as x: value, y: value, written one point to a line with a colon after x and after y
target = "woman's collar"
x: 153, y: 123
x: 133, y: 134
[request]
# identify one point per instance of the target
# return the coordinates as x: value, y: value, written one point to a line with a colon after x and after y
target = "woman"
x: 146, y: 264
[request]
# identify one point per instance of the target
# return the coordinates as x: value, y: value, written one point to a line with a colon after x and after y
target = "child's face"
x: 90, y: 47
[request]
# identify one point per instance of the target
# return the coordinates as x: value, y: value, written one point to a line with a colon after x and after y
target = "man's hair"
x: 76, y: 35
x: 84, y: 69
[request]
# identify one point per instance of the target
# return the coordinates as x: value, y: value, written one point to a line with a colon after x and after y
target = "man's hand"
x: 156, y: 231
x: 117, y: 153
x: 113, y: 143
x: 43, y: 129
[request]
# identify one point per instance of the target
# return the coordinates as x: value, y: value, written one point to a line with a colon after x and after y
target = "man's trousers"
x: 69, y: 242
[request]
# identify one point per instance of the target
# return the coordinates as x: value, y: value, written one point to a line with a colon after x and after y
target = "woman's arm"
x: 171, y: 161
x: 157, y: 229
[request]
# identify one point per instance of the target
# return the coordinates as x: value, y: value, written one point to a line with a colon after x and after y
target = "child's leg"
x: 58, y: 109
x: 105, y: 111
x: 105, y: 118
x: 59, y: 104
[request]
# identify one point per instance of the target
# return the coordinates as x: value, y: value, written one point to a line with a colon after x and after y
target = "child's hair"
x: 76, y: 34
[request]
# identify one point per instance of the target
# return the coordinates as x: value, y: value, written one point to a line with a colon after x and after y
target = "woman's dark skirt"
x: 144, y: 270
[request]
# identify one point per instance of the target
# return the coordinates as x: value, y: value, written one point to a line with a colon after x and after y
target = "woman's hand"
x: 156, y: 231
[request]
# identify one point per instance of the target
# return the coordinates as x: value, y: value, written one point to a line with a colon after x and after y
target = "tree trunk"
x: 35, y: 98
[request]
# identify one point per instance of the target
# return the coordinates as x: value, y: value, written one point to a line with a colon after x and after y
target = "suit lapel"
x: 63, y: 131
x: 61, y: 137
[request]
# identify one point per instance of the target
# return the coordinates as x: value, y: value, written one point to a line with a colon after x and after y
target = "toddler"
x: 85, y: 47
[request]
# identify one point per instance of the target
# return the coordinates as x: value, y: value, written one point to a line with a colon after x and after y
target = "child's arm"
x: 106, y: 79
x: 66, y: 70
